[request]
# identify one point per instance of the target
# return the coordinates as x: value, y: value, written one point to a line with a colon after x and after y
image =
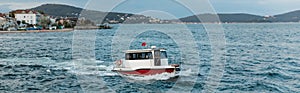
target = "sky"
x: 167, y: 8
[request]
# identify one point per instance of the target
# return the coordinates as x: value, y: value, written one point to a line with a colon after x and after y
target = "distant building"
x: 2, y: 15
x: 29, y: 16
x: 2, y: 18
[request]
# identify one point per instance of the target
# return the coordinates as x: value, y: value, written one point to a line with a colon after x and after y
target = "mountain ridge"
x: 61, y: 10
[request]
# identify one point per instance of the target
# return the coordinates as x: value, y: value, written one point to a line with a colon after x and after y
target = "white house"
x: 2, y: 18
x: 28, y: 16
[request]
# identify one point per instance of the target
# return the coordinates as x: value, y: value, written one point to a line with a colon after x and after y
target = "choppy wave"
x: 259, y: 58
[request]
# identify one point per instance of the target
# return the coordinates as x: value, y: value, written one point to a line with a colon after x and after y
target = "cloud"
x: 277, y: 2
x: 4, y: 8
x: 102, y: 5
x: 279, y: 6
x: 260, y: 7
x: 27, y: 4
x: 14, y: 6
x: 158, y: 14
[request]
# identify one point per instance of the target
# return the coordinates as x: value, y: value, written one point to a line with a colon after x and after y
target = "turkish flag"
x: 144, y: 44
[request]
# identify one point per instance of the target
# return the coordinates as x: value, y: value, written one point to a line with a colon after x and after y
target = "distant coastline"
x: 92, y: 27
x: 40, y: 31
x: 118, y: 18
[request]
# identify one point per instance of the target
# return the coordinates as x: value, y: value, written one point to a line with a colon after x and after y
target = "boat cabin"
x: 145, y: 62
x: 145, y: 58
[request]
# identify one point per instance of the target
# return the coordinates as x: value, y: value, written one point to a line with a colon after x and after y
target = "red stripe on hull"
x: 148, y: 71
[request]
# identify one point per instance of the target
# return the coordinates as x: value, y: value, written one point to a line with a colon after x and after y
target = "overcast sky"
x: 161, y: 8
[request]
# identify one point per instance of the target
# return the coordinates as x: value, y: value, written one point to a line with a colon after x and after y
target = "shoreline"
x: 39, y: 31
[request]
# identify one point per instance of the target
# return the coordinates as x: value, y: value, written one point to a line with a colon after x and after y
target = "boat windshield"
x: 138, y: 56
x: 163, y: 55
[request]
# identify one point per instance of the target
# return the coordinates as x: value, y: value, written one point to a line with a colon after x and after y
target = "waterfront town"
x: 25, y: 20
x: 30, y: 20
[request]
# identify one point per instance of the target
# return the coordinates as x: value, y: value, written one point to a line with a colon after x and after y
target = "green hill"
x: 59, y: 10
x: 225, y: 18
x: 293, y: 16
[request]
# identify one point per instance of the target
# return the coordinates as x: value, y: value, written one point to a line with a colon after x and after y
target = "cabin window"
x: 138, y: 56
x: 134, y: 56
x: 163, y: 55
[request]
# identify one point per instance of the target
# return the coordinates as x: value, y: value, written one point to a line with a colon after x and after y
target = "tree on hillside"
x: 44, y: 21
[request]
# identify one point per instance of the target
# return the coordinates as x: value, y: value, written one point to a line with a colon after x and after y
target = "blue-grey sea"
x: 258, y: 57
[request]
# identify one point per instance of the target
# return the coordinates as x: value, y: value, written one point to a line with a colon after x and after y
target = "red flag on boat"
x: 144, y: 44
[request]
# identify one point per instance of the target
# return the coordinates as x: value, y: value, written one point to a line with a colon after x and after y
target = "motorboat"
x: 145, y: 62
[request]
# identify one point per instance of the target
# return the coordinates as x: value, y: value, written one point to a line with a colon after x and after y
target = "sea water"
x: 259, y: 58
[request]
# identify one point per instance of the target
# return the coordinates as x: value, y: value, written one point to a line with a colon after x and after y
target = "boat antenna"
x: 147, y: 40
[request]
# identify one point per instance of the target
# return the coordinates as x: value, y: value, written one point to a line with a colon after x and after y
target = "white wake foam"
x: 162, y: 76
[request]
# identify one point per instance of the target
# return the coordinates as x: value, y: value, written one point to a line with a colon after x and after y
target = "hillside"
x: 225, y: 18
x: 293, y: 16
x: 59, y: 10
